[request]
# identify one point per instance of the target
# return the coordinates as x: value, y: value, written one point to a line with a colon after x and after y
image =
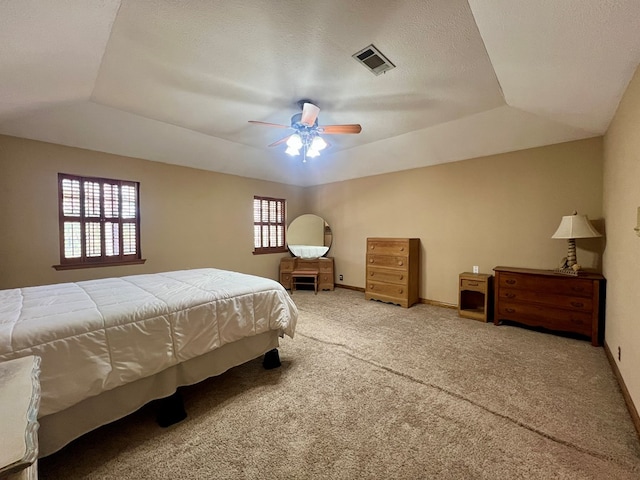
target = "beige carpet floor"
x: 374, y: 391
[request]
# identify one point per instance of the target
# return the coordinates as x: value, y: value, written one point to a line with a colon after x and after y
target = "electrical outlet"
x: 341, y: 277
x: 619, y: 354
x: 475, y: 269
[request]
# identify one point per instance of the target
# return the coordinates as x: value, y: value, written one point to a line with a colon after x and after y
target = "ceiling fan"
x: 306, y: 135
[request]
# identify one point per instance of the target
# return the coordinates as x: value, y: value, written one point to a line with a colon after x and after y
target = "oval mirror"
x: 309, y: 236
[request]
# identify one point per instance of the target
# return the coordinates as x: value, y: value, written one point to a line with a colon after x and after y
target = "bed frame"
x: 59, y: 429
x: 112, y: 345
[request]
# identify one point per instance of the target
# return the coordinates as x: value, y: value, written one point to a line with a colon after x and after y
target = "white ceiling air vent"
x: 375, y: 61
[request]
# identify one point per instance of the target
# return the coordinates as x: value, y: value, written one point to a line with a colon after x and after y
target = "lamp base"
x: 567, y: 271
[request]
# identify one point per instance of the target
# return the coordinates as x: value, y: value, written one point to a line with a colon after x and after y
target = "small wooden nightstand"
x: 475, y: 298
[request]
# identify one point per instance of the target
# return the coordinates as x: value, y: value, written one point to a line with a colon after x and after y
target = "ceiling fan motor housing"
x: 298, y: 125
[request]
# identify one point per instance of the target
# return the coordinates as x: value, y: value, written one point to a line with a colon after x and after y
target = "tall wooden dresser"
x: 323, y: 265
x: 543, y: 298
x: 393, y: 270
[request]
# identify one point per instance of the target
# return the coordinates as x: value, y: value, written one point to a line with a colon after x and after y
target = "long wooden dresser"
x: 323, y: 265
x: 543, y: 298
x: 393, y: 270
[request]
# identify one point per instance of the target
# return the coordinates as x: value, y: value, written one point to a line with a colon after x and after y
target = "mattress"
x: 94, y: 336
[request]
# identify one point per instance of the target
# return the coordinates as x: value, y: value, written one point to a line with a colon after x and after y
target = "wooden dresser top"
x: 532, y: 271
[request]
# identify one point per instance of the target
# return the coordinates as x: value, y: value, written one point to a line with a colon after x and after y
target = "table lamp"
x: 572, y: 227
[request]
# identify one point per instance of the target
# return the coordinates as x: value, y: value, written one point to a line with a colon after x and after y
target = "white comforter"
x: 97, y: 335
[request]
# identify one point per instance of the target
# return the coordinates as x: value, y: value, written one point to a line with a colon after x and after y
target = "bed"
x: 110, y: 346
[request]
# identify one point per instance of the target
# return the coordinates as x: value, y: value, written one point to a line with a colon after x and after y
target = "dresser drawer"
x: 387, y: 261
x: 285, y: 280
x: 326, y: 265
x: 376, y: 274
x: 561, y: 286
x: 584, y: 304
x: 387, y: 289
x: 388, y: 247
x: 287, y: 264
x: 551, y: 318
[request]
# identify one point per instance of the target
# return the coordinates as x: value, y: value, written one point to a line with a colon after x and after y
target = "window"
x: 99, y: 222
x: 269, y: 215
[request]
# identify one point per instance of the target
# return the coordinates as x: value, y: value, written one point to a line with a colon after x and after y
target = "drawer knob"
x: 401, y: 277
x: 510, y: 281
x: 402, y: 249
x: 371, y: 274
x: 473, y: 284
x: 371, y: 260
x: 510, y: 295
x: 510, y: 310
x: 400, y: 263
x: 578, y: 289
x: 577, y: 304
x: 400, y: 290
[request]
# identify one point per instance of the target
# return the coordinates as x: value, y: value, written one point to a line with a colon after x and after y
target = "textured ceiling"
x: 176, y: 82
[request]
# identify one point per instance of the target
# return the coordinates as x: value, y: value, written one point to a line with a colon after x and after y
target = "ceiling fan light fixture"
x: 312, y: 153
x: 292, y: 151
x: 318, y: 144
x: 306, y: 137
x: 295, y: 141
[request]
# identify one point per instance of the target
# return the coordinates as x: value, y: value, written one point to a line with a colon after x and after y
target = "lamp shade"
x: 575, y: 226
x: 295, y: 141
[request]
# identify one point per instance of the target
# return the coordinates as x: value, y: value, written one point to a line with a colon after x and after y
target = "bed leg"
x: 271, y: 359
x: 171, y: 410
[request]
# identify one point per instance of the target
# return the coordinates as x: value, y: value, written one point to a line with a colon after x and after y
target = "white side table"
x: 19, y: 402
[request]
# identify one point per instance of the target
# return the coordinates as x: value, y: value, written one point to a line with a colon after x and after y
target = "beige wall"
x: 622, y: 253
x: 189, y: 218
x: 498, y: 210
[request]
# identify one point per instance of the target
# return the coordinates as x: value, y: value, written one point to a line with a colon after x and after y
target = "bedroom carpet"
x: 374, y: 391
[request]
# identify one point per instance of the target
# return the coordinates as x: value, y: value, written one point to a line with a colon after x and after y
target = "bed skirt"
x: 59, y: 429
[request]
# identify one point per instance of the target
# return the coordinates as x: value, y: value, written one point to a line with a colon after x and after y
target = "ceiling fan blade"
x: 278, y: 142
x: 309, y: 114
x: 277, y: 125
x: 339, y: 129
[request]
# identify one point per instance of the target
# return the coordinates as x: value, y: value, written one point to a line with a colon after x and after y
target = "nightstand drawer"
x: 473, y: 285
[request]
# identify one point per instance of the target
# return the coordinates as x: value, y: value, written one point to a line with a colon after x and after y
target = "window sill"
x: 74, y: 266
x: 264, y: 251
